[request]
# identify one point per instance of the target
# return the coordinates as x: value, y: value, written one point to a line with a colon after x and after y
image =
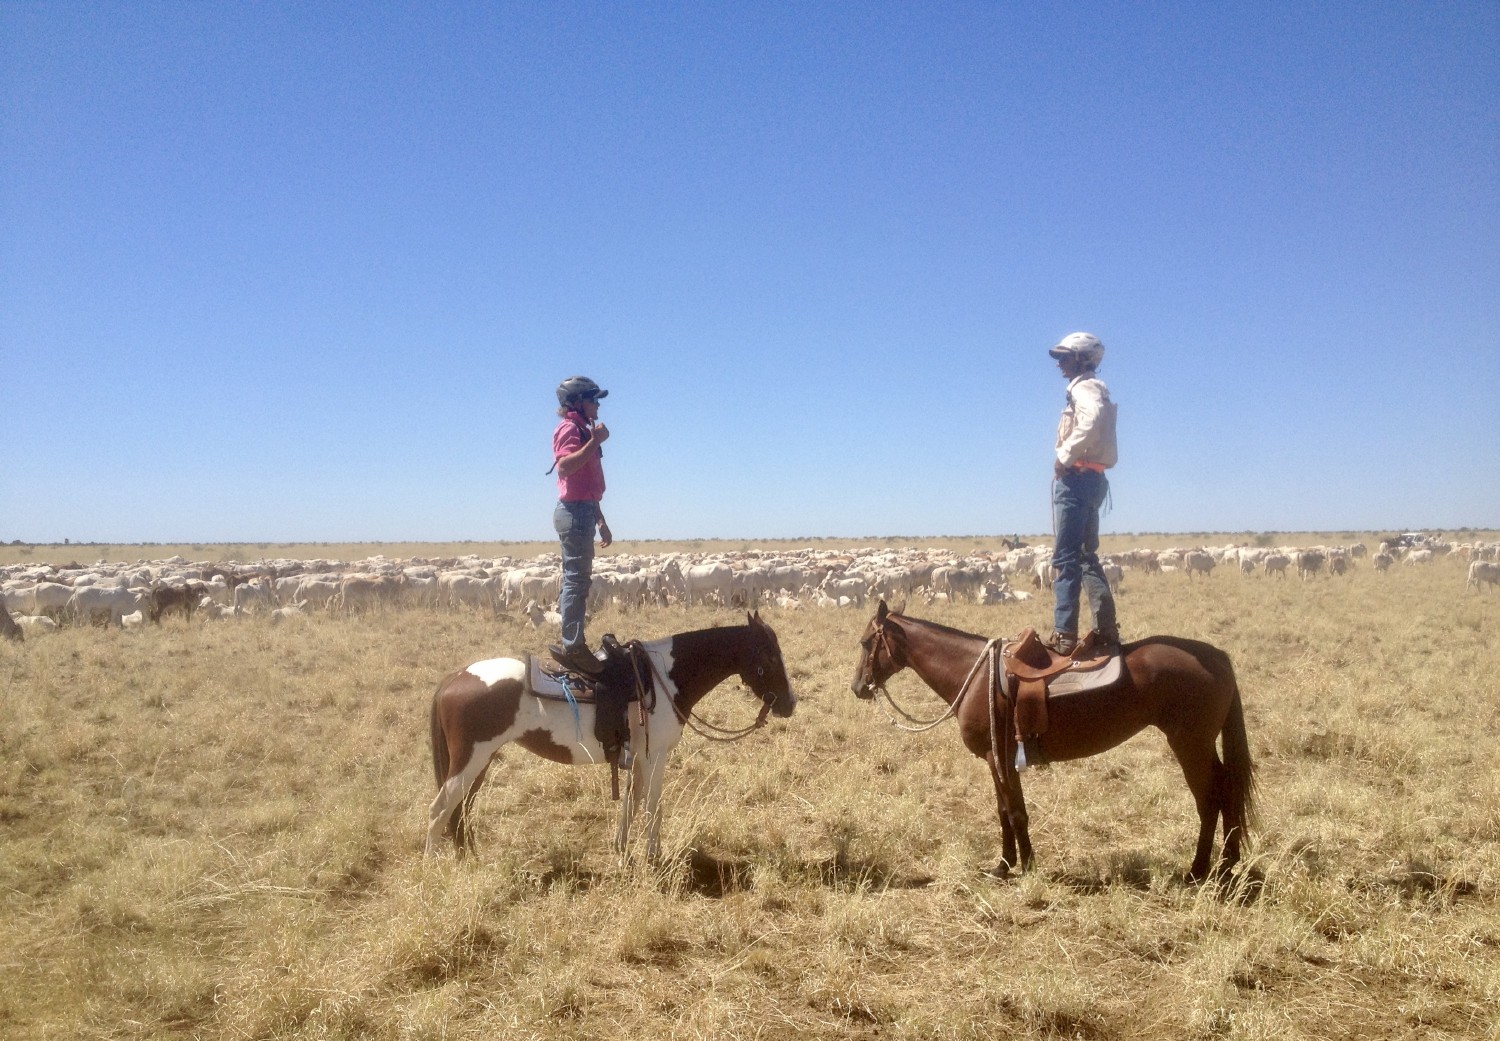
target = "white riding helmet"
x: 1086, y: 346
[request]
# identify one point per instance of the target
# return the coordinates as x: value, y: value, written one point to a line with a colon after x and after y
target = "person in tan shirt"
x: 1085, y: 449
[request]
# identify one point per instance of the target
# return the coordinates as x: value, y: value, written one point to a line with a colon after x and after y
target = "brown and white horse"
x: 480, y: 709
x: 1184, y: 688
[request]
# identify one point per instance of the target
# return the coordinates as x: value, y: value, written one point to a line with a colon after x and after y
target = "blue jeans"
x: 1076, y: 499
x: 575, y: 523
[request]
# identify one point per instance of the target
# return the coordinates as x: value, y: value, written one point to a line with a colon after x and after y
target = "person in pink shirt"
x: 577, y: 452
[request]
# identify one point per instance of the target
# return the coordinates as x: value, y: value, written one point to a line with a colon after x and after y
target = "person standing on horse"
x: 1085, y: 450
x: 576, y: 450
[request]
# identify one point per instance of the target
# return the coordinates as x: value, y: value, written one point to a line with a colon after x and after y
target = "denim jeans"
x: 575, y: 523
x: 1076, y: 499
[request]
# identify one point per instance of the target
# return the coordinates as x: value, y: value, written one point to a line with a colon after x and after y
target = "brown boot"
x: 1063, y: 643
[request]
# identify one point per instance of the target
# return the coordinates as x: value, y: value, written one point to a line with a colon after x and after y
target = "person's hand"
x: 605, y: 538
x: 1058, y: 469
x: 601, y: 433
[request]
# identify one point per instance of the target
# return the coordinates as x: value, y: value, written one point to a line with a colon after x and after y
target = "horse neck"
x: 942, y: 658
x: 702, y: 660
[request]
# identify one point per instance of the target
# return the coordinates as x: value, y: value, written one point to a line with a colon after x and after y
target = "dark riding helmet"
x: 576, y: 387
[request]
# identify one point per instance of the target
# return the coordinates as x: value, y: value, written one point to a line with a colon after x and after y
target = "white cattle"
x: 50, y: 598
x: 254, y: 594
x: 461, y: 590
x: 39, y: 623
x: 1419, y: 556
x: 1382, y: 561
x: 1483, y: 573
x: 1277, y: 564
x: 104, y: 604
x: 700, y: 581
x: 1196, y: 561
x: 851, y: 587
x: 295, y: 609
x: 210, y: 608
x: 539, y: 616
x: 1043, y: 574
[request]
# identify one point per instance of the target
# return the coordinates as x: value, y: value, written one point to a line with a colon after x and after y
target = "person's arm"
x: 568, y: 464
x: 605, y: 538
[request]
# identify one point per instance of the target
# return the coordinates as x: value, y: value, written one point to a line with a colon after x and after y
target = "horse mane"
x: 939, y: 626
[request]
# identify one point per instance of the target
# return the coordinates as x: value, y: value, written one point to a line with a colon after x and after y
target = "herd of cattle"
x: 44, y: 596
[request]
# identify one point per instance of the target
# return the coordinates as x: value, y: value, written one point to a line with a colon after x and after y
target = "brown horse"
x: 1183, y: 687
x: 485, y: 706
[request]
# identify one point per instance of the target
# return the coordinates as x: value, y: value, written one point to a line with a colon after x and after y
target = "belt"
x: 1097, y: 468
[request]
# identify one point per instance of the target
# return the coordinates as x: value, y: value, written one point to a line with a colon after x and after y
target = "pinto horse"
x: 479, y: 709
x: 1183, y: 687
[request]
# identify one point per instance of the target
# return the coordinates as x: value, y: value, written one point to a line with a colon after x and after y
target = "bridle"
x: 990, y: 654
x: 696, y: 723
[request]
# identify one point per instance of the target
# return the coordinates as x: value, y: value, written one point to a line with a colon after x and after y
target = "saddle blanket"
x: 543, y: 682
x: 1070, y: 682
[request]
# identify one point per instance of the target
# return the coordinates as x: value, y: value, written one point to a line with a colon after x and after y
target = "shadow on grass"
x: 715, y: 877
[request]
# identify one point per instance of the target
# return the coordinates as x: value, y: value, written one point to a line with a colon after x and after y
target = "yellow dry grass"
x: 215, y: 831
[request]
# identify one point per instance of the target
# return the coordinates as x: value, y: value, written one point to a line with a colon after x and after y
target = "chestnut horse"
x: 481, y: 708
x: 1183, y: 687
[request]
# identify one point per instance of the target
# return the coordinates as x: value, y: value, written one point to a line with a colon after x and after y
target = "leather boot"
x: 577, y: 659
x: 1063, y: 643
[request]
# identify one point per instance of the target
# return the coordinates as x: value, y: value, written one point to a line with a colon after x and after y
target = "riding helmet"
x: 575, y: 387
x: 1086, y: 346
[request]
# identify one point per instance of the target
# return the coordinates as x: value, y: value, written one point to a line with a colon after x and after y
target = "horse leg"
x: 630, y: 804
x: 463, y: 829
x: 1204, y: 775
x: 652, y: 773
x: 1014, y: 830
x: 449, y: 808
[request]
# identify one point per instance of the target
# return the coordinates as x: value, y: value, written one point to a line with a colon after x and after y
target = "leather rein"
x: 990, y: 654
x: 696, y: 723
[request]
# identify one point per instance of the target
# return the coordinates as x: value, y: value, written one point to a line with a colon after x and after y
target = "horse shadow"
x: 1138, y: 871
x: 716, y: 877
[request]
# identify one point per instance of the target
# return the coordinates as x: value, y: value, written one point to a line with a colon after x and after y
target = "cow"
x: 104, y: 605
x: 1309, y: 562
x: 700, y: 580
x: 1482, y: 573
x: 182, y: 599
x: 1198, y: 561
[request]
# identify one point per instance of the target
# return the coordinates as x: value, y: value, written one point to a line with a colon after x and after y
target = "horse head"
x: 764, y: 671
x: 877, y: 653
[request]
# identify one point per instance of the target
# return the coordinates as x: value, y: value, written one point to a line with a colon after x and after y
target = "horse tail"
x: 1239, y: 796
x: 439, y: 739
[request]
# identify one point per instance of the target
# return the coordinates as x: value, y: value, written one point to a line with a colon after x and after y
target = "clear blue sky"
x: 285, y: 272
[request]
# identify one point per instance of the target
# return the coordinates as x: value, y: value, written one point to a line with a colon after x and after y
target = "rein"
x: 702, y: 727
x: 988, y: 654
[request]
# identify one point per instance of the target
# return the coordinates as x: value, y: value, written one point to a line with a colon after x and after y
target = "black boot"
x: 577, y: 658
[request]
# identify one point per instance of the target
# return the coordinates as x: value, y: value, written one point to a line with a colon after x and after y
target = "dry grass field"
x: 214, y: 831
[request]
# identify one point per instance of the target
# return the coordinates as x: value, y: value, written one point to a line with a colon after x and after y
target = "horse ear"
x: 900, y: 609
x: 881, y: 611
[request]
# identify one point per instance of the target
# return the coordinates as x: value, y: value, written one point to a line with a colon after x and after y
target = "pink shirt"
x: 585, y: 484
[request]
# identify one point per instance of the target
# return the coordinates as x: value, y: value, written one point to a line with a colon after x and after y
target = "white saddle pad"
x: 547, y: 685
x: 1076, y: 682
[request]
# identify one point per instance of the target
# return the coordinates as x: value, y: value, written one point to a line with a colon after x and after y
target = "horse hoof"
x: 1000, y: 872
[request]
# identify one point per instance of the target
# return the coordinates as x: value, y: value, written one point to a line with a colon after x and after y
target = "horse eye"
x: 761, y: 671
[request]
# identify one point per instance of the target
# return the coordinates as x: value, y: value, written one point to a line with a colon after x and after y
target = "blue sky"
x: 289, y: 272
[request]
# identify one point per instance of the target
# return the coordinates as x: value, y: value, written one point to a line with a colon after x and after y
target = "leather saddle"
x: 624, y: 672
x: 1033, y: 671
